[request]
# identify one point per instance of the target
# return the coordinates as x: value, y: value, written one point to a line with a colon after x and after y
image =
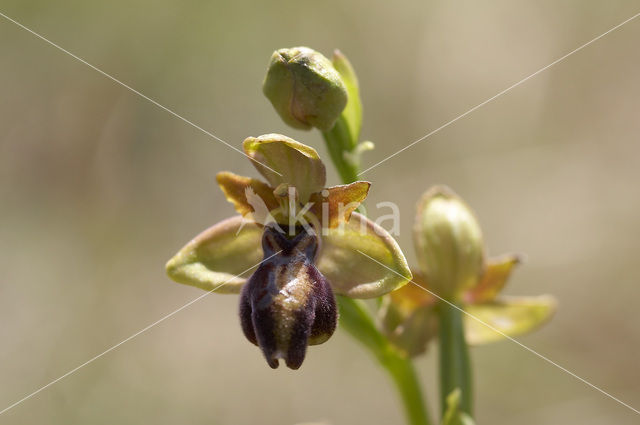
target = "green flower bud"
x: 448, y: 243
x: 305, y: 88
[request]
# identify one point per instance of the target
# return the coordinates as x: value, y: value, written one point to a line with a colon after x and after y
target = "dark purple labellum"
x: 287, y: 303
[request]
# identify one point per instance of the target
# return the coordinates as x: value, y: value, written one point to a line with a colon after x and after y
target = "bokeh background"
x: 99, y: 187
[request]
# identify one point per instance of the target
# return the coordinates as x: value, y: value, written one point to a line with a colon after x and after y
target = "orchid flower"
x: 311, y: 242
x: 453, y: 269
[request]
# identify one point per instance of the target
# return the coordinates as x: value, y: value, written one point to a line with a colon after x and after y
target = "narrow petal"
x: 362, y: 260
x: 236, y: 188
x: 289, y: 162
x: 493, y: 281
x: 214, y: 259
x: 339, y: 202
x: 512, y: 316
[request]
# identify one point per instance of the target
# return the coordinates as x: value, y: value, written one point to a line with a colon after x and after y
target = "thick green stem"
x: 339, y: 142
x: 455, y: 367
x: 356, y: 319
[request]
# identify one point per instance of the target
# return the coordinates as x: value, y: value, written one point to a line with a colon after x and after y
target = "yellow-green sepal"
x: 362, y: 260
x: 510, y: 316
x: 288, y: 161
x: 219, y: 259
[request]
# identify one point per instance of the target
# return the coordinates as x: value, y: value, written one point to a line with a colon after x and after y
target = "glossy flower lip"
x: 287, y: 304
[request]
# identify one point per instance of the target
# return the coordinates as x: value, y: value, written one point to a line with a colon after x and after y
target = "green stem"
x: 356, y: 319
x: 455, y: 367
x: 339, y: 141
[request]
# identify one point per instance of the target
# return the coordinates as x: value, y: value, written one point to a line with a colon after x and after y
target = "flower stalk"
x: 355, y: 318
x: 454, y: 363
x: 339, y: 142
x: 342, y: 138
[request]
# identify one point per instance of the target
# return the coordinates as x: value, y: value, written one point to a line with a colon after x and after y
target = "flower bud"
x: 305, y: 88
x: 287, y: 304
x: 448, y: 243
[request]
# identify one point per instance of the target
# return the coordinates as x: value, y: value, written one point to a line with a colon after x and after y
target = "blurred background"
x: 99, y: 187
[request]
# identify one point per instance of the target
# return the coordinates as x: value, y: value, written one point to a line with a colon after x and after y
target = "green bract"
x: 447, y: 235
x: 304, y: 88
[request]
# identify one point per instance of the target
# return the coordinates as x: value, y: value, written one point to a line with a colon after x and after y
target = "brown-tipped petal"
x: 335, y: 204
x: 413, y: 295
x: 246, y: 194
x: 494, y: 279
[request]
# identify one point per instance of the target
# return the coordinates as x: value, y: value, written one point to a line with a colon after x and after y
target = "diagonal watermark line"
x: 480, y: 105
x: 531, y: 350
x: 114, y: 79
x: 91, y: 360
